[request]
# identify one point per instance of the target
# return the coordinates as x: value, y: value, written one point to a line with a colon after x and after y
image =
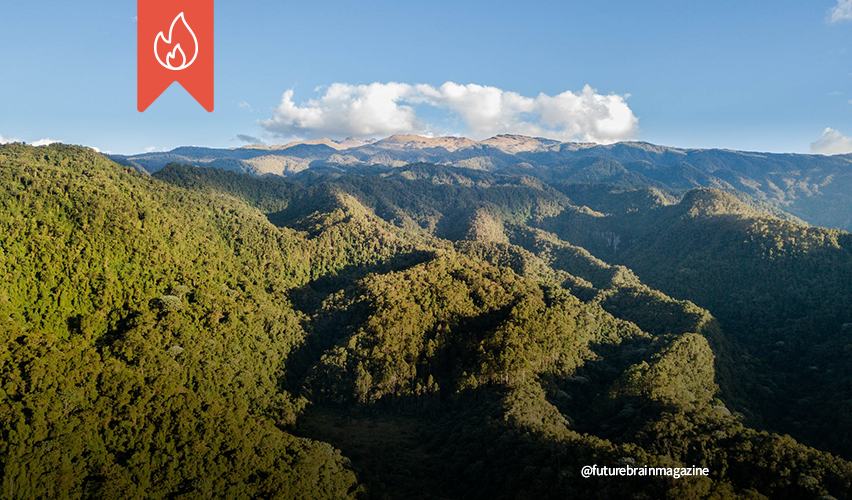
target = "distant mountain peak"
x: 409, y: 141
x: 348, y: 143
x: 510, y: 143
x: 353, y: 142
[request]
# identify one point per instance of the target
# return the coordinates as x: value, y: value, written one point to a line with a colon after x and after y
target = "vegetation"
x: 426, y: 332
x: 146, y: 330
x: 782, y: 291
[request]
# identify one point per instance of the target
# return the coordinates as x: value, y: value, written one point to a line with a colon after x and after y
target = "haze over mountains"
x: 815, y: 188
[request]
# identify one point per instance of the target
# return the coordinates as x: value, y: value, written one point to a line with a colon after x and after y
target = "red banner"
x: 174, y: 44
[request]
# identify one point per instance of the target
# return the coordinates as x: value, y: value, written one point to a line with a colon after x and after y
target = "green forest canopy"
x: 203, y: 334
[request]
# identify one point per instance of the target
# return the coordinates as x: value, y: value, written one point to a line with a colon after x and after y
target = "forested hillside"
x: 146, y: 330
x: 782, y: 290
x: 424, y: 332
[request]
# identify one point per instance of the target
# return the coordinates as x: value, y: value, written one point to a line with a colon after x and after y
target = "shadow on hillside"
x: 309, y: 297
x: 398, y: 445
x: 326, y: 330
x: 584, y: 396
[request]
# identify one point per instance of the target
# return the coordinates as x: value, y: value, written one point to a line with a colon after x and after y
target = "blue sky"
x: 757, y: 75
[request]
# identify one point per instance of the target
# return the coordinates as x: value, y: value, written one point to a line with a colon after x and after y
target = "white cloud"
x: 245, y: 105
x: 841, y: 12
x: 381, y: 109
x: 150, y: 149
x: 43, y: 142
x: 8, y: 140
x: 40, y: 142
x: 832, y: 142
x: 348, y: 110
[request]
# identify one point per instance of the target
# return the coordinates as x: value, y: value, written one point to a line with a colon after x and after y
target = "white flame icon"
x: 177, y: 49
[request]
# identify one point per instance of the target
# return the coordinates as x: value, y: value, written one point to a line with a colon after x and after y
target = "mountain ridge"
x: 506, y: 143
x: 814, y: 188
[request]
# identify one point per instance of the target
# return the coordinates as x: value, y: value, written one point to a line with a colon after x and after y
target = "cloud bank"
x: 841, y: 12
x: 832, y: 142
x: 40, y: 142
x: 43, y: 142
x: 382, y: 109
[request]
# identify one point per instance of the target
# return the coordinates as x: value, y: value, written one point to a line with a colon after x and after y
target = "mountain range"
x: 815, y: 188
x: 422, y: 330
